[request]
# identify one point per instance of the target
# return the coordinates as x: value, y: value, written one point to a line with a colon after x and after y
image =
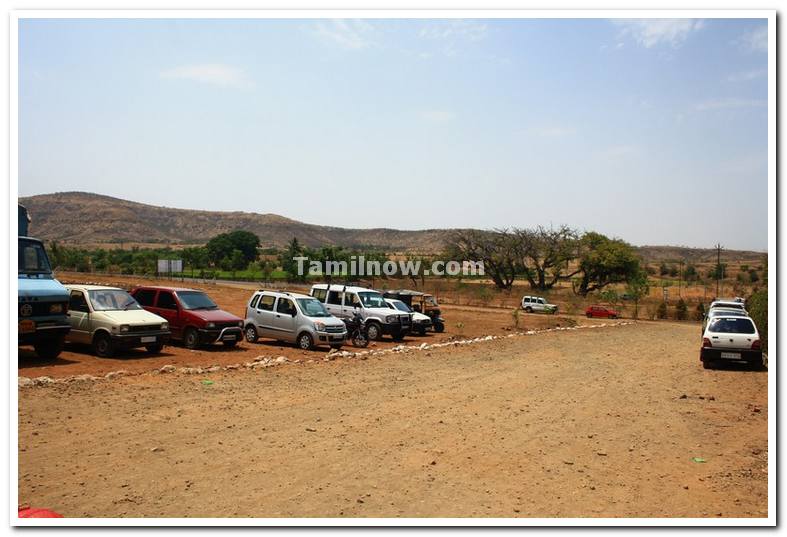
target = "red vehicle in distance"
x: 602, y: 311
x: 193, y: 317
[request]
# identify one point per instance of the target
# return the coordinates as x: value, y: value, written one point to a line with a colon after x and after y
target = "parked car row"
x: 110, y: 319
x: 729, y: 334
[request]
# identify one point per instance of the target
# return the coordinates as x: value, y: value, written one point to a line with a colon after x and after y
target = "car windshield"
x: 112, y: 300
x: 196, y: 300
x: 401, y: 306
x: 731, y: 325
x: 372, y: 299
x: 312, y: 307
x: 33, y: 258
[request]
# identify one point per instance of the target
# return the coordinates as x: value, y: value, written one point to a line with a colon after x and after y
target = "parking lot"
x: 617, y: 421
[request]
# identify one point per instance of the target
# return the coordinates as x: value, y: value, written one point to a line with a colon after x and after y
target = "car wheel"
x: 373, y: 331
x: 102, y: 345
x: 397, y: 336
x: 49, y: 349
x: 707, y: 364
x: 305, y: 341
x: 421, y: 331
x: 439, y: 327
x: 529, y: 309
x: 251, y: 334
x: 154, y: 349
x: 337, y: 347
x: 230, y: 344
x: 360, y: 340
x: 588, y: 315
x: 191, y: 338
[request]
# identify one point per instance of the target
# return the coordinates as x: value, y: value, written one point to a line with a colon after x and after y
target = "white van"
x: 343, y: 300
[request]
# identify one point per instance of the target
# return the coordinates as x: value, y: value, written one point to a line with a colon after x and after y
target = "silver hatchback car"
x: 294, y: 318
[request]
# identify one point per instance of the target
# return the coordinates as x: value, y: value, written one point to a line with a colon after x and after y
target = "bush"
x: 661, y: 312
x: 681, y: 310
x: 753, y: 276
x: 758, y: 309
x: 699, y: 313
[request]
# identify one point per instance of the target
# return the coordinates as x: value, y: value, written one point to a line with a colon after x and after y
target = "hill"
x: 92, y: 219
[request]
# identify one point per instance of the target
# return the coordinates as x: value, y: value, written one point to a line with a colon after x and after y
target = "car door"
x: 351, y: 304
x: 333, y: 303
x: 263, y: 316
x: 79, y: 318
x: 167, y: 307
x: 284, y: 320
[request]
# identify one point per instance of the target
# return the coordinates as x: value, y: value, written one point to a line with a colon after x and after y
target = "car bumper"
x: 395, y: 329
x: 212, y: 335
x: 718, y: 355
x: 141, y: 339
x: 43, y: 329
x: 330, y: 338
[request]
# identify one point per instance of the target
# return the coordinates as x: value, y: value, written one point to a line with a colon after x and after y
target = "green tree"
x: 222, y: 246
x: 638, y: 288
x: 681, y: 310
x: 288, y: 263
x: 604, y: 261
x: 757, y: 305
x: 544, y: 254
x: 661, y: 312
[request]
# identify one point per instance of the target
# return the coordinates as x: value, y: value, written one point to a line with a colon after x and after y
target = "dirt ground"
x: 597, y: 422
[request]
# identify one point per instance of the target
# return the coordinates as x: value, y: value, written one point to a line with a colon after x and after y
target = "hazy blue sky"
x: 654, y: 131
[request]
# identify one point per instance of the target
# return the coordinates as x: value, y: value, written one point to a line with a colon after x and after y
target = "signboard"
x: 166, y: 266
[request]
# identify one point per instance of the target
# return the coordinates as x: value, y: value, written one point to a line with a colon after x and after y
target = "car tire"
x: 251, y: 334
x: 191, y: 338
x: 707, y: 364
x: 49, y: 349
x: 374, y: 332
x: 103, y: 346
x: 230, y: 344
x: 439, y: 327
x: 529, y: 309
x: 397, y: 337
x: 305, y: 341
x: 155, y: 348
x: 421, y: 331
x: 337, y: 347
x: 588, y: 315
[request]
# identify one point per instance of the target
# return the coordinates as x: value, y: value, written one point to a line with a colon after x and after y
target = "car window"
x: 254, y: 299
x: 285, y: 306
x: 541, y: 301
x: 320, y: 294
x: 166, y: 301
x: 266, y: 302
x: 731, y: 325
x: 145, y: 296
x: 335, y: 298
x: 77, y: 302
x: 527, y: 299
x: 351, y: 300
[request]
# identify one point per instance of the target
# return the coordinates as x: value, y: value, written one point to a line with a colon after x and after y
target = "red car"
x: 602, y: 311
x: 193, y: 317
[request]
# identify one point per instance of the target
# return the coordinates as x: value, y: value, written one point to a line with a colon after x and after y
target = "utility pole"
x: 680, y: 276
x: 718, y: 267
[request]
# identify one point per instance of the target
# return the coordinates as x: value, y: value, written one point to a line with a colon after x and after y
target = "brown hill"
x: 92, y: 219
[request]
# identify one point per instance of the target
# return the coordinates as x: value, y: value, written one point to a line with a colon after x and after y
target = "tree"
x: 544, y: 254
x: 638, y: 288
x: 604, y: 261
x: 758, y: 309
x: 222, y: 246
x: 661, y: 311
x: 288, y: 262
x: 690, y: 273
x: 496, y: 249
x: 681, y: 310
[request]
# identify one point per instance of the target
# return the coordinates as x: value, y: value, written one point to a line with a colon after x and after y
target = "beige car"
x: 109, y: 319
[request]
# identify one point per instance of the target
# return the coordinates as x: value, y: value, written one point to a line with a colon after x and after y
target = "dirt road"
x: 586, y: 423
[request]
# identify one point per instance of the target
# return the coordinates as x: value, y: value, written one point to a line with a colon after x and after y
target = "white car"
x: 731, y: 338
x: 110, y: 319
x: 421, y: 322
x: 536, y: 304
x: 343, y: 300
x: 292, y: 317
x: 728, y: 304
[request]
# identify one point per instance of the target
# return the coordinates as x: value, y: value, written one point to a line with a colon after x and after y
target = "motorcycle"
x: 356, y: 330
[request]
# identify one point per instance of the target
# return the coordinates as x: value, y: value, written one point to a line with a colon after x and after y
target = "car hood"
x: 329, y: 321
x: 420, y: 317
x: 215, y: 316
x: 35, y: 289
x: 132, y: 317
x: 385, y: 311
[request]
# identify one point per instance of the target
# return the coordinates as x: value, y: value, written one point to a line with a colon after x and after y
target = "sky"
x: 651, y: 130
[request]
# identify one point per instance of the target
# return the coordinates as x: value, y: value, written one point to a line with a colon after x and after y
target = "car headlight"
x: 56, y: 308
x: 210, y: 325
x: 390, y: 319
x: 165, y: 326
x: 320, y: 326
x: 124, y: 328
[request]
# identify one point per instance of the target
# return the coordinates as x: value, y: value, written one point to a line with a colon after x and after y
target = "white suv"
x: 343, y: 300
x: 294, y: 318
x: 537, y: 304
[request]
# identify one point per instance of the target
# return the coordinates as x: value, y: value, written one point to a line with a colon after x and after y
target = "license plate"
x: 148, y: 339
x: 229, y: 338
x: 27, y: 326
x: 731, y: 355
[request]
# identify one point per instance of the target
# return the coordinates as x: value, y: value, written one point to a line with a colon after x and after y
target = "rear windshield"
x: 731, y: 325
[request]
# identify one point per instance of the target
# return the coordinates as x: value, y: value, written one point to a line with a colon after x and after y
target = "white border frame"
x: 16, y: 15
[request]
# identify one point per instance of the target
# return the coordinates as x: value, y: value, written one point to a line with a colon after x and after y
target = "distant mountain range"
x: 82, y: 218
